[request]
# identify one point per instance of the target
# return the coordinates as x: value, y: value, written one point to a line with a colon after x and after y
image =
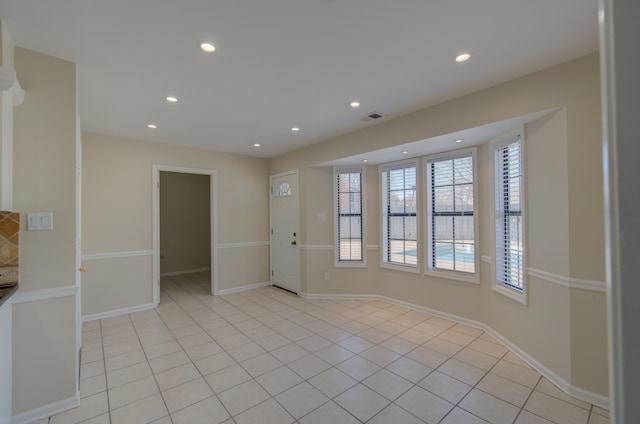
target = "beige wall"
x: 185, y: 236
x: 44, y: 362
x: 117, y: 216
x: 44, y: 345
x: 562, y: 328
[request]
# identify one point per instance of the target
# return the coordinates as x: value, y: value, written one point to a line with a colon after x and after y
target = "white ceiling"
x: 284, y: 63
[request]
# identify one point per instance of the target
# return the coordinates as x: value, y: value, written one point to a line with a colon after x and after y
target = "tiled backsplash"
x: 9, y: 246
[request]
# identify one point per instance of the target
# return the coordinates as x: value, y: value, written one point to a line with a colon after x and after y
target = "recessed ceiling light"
x: 152, y: 126
x: 404, y: 152
x: 354, y: 104
x: 207, y: 47
x: 256, y: 144
x: 364, y: 161
x: 295, y: 129
x: 172, y: 99
x: 463, y: 57
x: 459, y: 140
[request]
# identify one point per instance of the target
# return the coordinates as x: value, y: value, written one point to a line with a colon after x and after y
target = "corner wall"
x: 44, y: 309
x: 117, y: 238
x: 565, y: 246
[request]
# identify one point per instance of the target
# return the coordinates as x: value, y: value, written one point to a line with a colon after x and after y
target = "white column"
x: 620, y: 64
x: 12, y: 95
x: 6, y: 153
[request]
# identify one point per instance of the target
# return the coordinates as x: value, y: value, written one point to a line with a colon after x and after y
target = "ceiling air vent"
x: 371, y: 116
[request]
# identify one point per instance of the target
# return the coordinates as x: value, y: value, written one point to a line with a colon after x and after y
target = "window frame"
x: 362, y: 170
x: 386, y: 167
x: 444, y: 273
x: 511, y: 292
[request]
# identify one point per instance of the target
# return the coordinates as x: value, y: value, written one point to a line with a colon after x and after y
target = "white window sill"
x: 512, y: 294
x: 354, y: 264
x: 413, y: 269
x: 454, y: 275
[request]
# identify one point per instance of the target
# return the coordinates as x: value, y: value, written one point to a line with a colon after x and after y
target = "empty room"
x: 309, y: 212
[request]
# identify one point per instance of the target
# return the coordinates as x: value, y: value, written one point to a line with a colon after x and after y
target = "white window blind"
x: 451, y: 214
x: 349, y: 220
x: 400, y: 231
x: 508, y: 214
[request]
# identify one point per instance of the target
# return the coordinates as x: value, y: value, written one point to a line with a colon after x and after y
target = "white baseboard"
x: 577, y: 392
x: 116, y: 312
x: 184, y: 271
x: 339, y: 296
x: 242, y: 288
x: 47, y: 410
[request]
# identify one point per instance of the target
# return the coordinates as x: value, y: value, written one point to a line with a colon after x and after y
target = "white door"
x: 285, y: 254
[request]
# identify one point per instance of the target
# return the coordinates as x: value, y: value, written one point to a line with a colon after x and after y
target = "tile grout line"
x: 193, y: 362
x: 244, y: 304
x: 190, y: 359
x: 296, y: 420
x: 255, y: 378
x: 152, y: 373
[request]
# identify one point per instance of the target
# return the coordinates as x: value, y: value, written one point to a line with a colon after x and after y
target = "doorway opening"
x: 184, y: 226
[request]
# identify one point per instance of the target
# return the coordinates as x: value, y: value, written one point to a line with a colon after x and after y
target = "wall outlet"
x: 326, y: 276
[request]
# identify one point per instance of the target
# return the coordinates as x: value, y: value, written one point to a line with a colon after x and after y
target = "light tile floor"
x: 267, y: 356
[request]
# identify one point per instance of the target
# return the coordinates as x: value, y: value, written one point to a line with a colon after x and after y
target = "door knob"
x: 294, y: 242
x: 83, y: 269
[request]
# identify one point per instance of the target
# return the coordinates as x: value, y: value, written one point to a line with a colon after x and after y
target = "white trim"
x: 184, y: 271
x: 246, y: 244
x: 572, y: 283
x: 413, y: 269
x: 315, y: 247
x: 509, y: 292
x: 213, y: 200
x: 6, y: 147
x: 9, y: 83
x: 467, y: 277
x: 621, y: 381
x: 503, y: 289
x: 44, y: 294
x: 243, y: 288
x: 592, y: 285
x: 384, y: 168
x: 330, y: 247
x: 339, y: 296
x: 116, y: 255
x: 582, y: 394
x: 486, y: 259
x: 362, y: 170
x: 116, y: 312
x: 47, y: 410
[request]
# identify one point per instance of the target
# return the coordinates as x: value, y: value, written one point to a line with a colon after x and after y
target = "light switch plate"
x: 39, y: 221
